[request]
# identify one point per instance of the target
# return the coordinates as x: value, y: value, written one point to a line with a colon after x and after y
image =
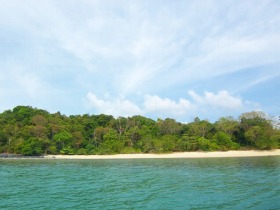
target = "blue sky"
x: 178, y: 59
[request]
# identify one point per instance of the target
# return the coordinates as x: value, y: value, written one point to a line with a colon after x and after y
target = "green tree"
x: 224, y: 142
x: 189, y: 143
x: 261, y: 137
x: 227, y: 125
x: 39, y: 120
x: 169, y: 143
x: 32, y: 146
x: 254, y: 129
x: 169, y: 126
x: 200, y: 128
x: 63, y: 138
x: 98, y: 135
x: 206, y: 145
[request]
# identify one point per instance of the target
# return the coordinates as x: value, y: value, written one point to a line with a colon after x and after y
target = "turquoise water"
x: 218, y: 183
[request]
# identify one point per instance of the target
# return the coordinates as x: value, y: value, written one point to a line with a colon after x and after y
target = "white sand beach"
x: 247, y: 153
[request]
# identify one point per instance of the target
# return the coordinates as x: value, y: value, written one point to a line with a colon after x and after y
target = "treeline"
x: 31, y: 131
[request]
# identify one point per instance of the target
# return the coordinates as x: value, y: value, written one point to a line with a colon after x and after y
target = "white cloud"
x: 223, y: 99
x: 220, y: 100
x: 166, y: 107
x: 214, y: 104
x: 197, y: 98
x: 118, y: 107
x: 151, y: 105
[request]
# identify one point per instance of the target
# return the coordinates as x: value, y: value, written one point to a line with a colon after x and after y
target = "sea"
x: 213, y: 183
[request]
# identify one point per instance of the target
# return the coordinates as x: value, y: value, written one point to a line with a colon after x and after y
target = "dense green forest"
x: 30, y: 131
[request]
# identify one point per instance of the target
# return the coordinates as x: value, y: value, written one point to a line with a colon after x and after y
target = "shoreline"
x: 219, y: 154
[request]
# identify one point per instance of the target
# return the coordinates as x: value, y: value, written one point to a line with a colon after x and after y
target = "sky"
x: 177, y: 59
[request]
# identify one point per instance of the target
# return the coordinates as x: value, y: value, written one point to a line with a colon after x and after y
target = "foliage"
x: 224, y: 142
x: 31, y: 131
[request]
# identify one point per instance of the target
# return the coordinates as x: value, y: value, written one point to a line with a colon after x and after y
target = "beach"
x: 219, y: 154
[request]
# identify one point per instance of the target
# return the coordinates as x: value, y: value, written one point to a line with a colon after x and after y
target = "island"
x: 29, y: 131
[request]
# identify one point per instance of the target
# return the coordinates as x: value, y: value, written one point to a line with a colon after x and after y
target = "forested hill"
x: 31, y: 131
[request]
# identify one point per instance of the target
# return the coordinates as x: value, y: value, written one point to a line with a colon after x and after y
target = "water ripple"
x: 231, y: 183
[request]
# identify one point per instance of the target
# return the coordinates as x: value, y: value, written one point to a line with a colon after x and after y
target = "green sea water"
x: 216, y: 183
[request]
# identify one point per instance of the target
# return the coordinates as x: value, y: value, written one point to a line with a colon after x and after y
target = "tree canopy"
x: 30, y: 131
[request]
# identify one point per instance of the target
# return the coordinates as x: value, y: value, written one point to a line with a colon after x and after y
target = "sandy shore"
x: 249, y: 153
